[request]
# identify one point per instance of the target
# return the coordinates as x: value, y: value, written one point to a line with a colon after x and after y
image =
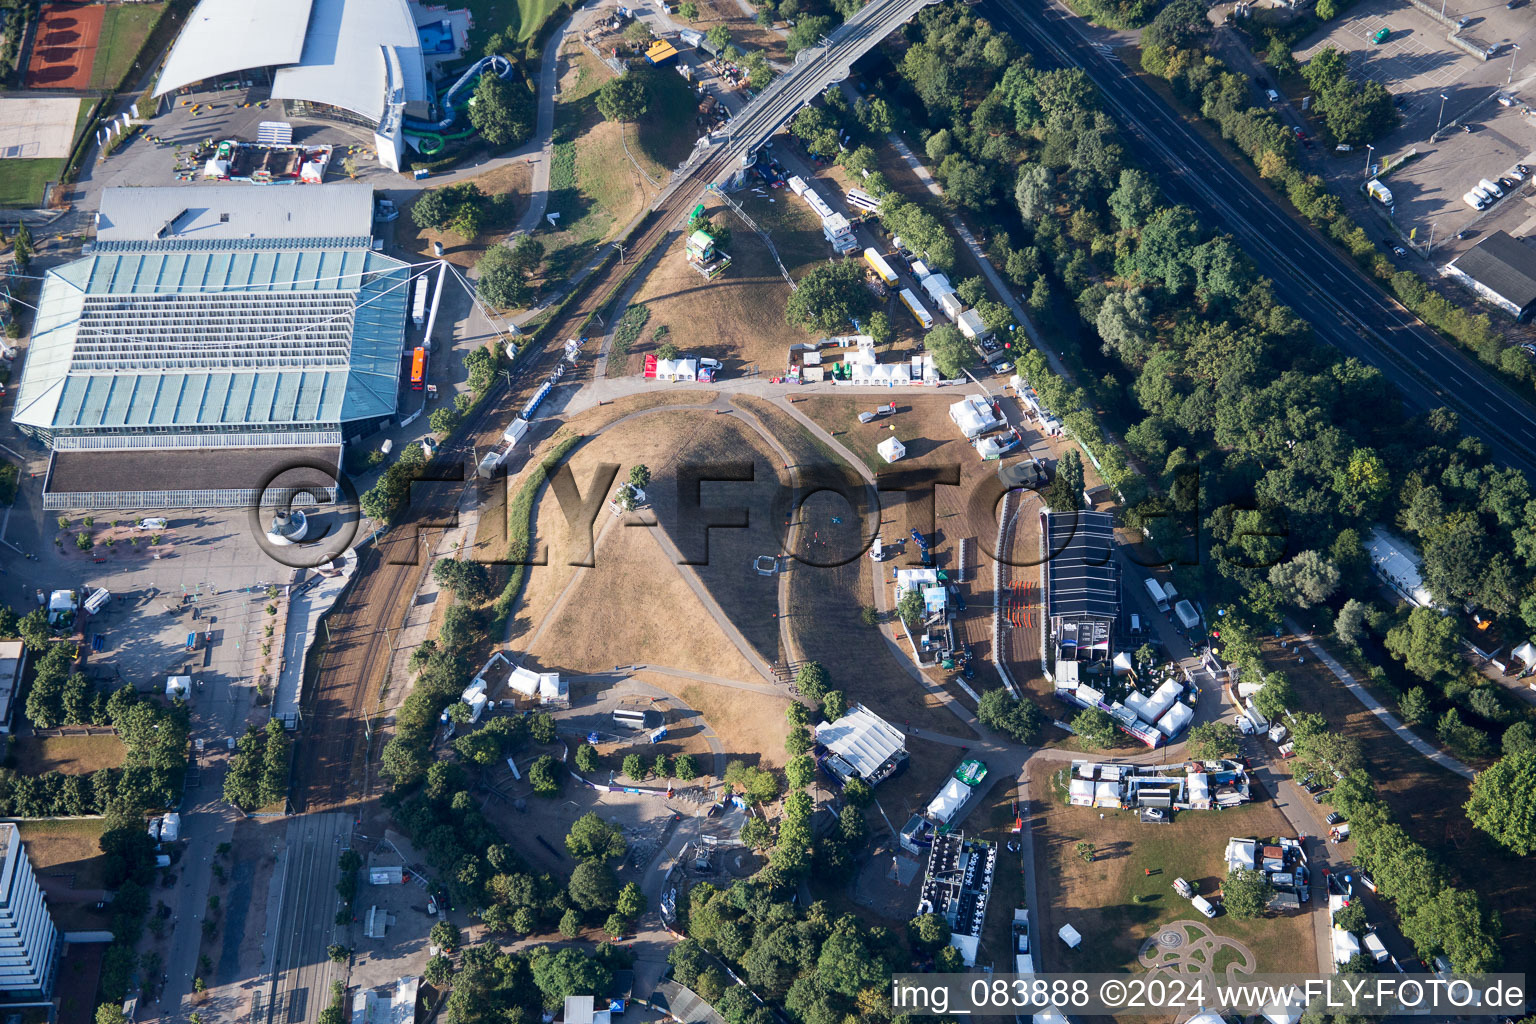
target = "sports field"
x: 36, y: 135
x: 64, y: 51
x: 123, y: 31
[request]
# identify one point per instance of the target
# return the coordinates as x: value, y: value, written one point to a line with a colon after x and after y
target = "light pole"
x: 1512, y: 56
x: 1369, y: 149
x: 1441, y: 119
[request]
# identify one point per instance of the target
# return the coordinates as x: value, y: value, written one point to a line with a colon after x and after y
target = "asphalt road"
x: 1343, y: 306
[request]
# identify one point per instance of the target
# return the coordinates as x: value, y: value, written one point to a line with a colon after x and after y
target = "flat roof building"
x: 257, y: 323
x: 29, y: 940
x: 1081, y: 581
x: 13, y: 659
x: 351, y: 60
x: 1501, y: 269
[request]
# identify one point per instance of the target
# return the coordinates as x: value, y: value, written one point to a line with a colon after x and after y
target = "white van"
x: 1491, y: 188
x: 155, y: 523
x: 1203, y: 905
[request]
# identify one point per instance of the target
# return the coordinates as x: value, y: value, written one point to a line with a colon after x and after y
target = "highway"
x: 1345, y: 308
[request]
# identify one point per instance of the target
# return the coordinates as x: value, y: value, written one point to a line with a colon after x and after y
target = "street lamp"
x: 1512, y: 56
x: 1441, y: 119
x: 1369, y: 149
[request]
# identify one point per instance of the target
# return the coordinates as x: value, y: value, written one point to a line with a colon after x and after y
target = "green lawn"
x: 23, y: 181
x: 667, y: 131
x: 518, y: 19
x: 123, y: 31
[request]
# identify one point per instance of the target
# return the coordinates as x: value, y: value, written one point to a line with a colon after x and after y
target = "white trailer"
x: 1156, y: 593
x: 1188, y: 617
x: 493, y: 459
x: 1375, y: 947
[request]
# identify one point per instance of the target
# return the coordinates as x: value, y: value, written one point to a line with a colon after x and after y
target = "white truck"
x: 97, y: 600
x: 1379, y: 192
x: 1203, y: 905
x: 1188, y: 617
x: 493, y: 459
x: 1156, y: 593
x: 1375, y: 947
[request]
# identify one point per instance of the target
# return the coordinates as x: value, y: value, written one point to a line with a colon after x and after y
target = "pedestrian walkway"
x: 1375, y: 707
x: 307, y: 603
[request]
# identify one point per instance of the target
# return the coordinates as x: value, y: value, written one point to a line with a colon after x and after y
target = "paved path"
x: 1375, y: 707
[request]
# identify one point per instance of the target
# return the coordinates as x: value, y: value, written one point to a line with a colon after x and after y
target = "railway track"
x: 360, y: 631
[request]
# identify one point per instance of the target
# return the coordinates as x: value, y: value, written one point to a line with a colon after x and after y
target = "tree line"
x: 258, y: 771
x: 1177, y: 47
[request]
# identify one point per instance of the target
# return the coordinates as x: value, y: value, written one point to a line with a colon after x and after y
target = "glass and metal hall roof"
x: 229, y: 336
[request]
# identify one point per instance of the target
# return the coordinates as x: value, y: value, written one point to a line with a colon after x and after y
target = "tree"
x: 909, y: 608
x: 812, y: 680
x: 1426, y: 643
x: 34, y: 630
x: 502, y: 111
x: 800, y: 771
x: 467, y: 580
x: 834, y: 705
x: 1414, y: 707
x: 570, y: 923
x: 444, y: 935
x: 586, y: 758
x: 1094, y: 729
x: 1519, y: 738
x: 685, y: 768
x: 503, y: 277
x: 878, y: 327
x: 829, y: 298
x: 1066, y: 493
x: 1454, y: 922
x: 756, y: 834
x: 1211, y: 740
x: 689, y: 10
x: 846, y: 965
x: 1020, y: 720
x: 338, y: 953
x: 110, y: 1013
x: 807, y: 32
x: 616, y: 925
x: 1308, y: 579
x: 634, y: 767
x: 593, y: 886
x: 719, y: 37
x: 592, y: 838
x: 661, y: 766
x: 439, y: 971
x: 1503, y: 802
x: 623, y: 98
x: 928, y: 931
x: 1275, y: 697
x: 1351, y: 918
x: 631, y: 902
x: 1350, y: 624
x: 542, y: 727
x: 22, y: 249
x: 543, y: 776
x: 569, y: 972
x: 950, y: 349
x: 1245, y: 893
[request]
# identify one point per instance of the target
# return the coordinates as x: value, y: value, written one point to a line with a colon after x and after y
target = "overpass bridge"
x: 735, y: 147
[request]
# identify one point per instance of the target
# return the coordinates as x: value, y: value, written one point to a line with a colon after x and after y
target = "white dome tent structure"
x: 891, y: 449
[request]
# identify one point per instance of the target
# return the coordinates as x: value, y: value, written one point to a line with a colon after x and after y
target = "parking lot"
x: 1428, y: 192
x: 1415, y: 59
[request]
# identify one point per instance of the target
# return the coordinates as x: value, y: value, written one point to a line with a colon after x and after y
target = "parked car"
x: 1271, y: 95
x: 1512, y: 5
x: 1334, y: 817
x: 1505, y: 183
x: 1398, y: 250
x: 1321, y: 795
